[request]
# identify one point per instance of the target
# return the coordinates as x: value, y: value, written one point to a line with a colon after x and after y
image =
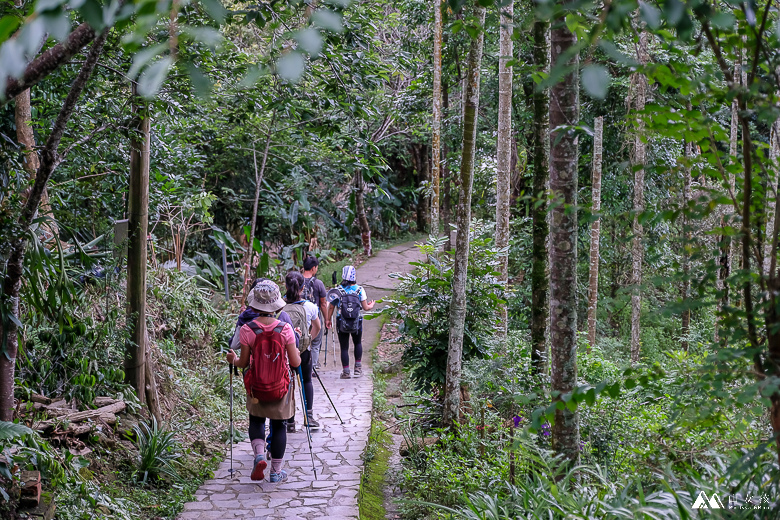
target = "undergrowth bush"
x: 422, y: 303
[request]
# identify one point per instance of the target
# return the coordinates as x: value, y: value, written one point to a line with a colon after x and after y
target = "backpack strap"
x: 257, y: 329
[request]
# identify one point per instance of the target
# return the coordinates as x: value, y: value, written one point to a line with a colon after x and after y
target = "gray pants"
x: 316, y: 343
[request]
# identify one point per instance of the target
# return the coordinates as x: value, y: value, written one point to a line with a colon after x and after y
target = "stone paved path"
x: 337, y: 448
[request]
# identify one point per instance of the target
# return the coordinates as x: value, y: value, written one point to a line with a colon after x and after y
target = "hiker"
x: 315, y: 293
x: 349, y: 319
x: 268, y: 348
x: 250, y: 314
x: 305, y: 316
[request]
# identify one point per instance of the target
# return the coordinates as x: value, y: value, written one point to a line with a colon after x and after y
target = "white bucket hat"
x: 266, y: 297
x: 348, y: 273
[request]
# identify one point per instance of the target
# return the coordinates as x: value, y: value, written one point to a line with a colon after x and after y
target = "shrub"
x: 158, y: 452
x: 422, y: 304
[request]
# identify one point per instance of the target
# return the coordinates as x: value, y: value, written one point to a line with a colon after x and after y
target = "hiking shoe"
x: 344, y: 375
x: 358, y: 370
x: 310, y: 420
x: 290, y: 426
x: 279, y: 477
x: 260, y: 465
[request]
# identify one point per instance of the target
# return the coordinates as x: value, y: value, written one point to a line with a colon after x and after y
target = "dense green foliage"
x: 422, y: 304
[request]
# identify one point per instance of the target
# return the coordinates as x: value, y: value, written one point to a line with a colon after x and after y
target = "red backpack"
x: 268, y: 377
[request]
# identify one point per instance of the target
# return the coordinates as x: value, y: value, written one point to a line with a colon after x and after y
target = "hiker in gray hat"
x: 268, y: 349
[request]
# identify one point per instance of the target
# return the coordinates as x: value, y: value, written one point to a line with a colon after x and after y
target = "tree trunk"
x: 595, y: 229
x: 360, y: 209
x: 727, y: 253
x: 26, y: 137
x: 504, y: 150
x: 540, y: 314
x: 138, y: 213
x: 460, y: 267
x: 258, y: 182
x: 639, y: 83
x: 12, y: 282
x: 771, y: 203
x: 686, y: 283
x: 152, y: 397
x: 436, y: 138
x: 446, y: 211
x: 563, y: 244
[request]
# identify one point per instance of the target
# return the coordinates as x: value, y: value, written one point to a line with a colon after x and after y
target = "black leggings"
x: 357, y: 340
x: 278, y: 439
x: 308, y: 386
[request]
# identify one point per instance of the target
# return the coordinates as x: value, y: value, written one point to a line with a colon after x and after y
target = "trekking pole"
x: 325, y: 363
x: 232, y: 369
x: 306, y: 421
x: 329, y: 399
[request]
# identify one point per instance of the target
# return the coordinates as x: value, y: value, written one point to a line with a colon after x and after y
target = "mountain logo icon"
x: 702, y: 502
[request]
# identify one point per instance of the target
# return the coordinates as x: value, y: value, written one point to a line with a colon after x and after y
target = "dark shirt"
x: 318, y: 289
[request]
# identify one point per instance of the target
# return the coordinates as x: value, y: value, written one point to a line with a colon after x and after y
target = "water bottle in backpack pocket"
x: 268, y: 376
x: 349, y: 315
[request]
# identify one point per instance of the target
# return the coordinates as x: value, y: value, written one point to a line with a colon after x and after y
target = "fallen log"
x: 75, y: 417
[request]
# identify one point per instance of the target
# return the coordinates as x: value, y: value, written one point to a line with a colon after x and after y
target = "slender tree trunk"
x: 771, y: 203
x: 360, y: 209
x: 727, y: 253
x: 637, y: 249
x: 564, y: 113
x: 686, y: 283
x: 436, y: 140
x: 446, y: 211
x: 504, y: 149
x: 12, y: 282
x: 595, y: 229
x: 138, y: 213
x: 26, y: 137
x: 460, y: 268
x: 258, y: 183
x: 540, y: 314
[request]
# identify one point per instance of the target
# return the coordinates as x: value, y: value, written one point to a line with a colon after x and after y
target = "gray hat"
x: 266, y: 297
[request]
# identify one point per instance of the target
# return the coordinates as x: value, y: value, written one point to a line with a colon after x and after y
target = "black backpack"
x: 308, y: 293
x: 349, y: 317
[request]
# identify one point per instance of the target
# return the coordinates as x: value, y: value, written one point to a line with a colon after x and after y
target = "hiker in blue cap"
x: 349, y: 318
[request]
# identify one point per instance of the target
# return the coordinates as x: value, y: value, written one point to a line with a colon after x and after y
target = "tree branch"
x: 49, y: 61
x: 49, y: 155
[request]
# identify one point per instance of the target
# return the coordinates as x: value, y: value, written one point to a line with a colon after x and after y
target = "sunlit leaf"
x: 152, y: 78
x: 327, y: 20
x: 290, y: 66
x: 595, y: 81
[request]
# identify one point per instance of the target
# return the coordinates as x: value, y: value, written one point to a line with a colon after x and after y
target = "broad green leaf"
x: 215, y: 9
x: 328, y: 20
x: 152, y: 78
x: 206, y: 35
x: 595, y: 81
x: 142, y: 57
x: 723, y: 21
x: 310, y: 41
x: 650, y: 15
x: 9, y: 430
x: 57, y: 25
x: 8, y: 25
x: 290, y: 66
